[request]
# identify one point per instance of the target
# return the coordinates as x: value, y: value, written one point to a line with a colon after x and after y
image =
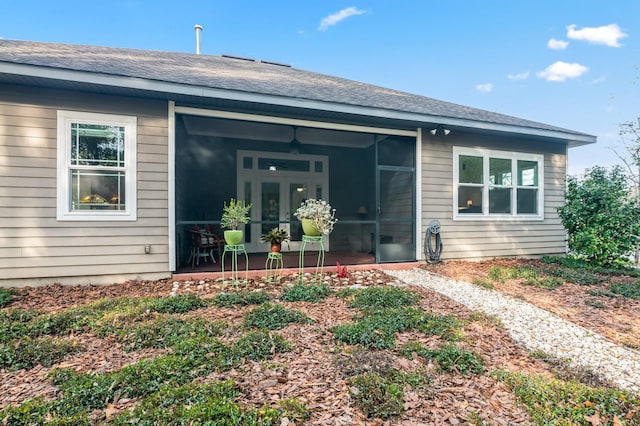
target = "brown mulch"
x: 317, y: 370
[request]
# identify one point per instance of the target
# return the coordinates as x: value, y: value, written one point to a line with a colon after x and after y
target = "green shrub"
x: 27, y: 352
x: 301, y: 292
x: 382, y: 297
x: 552, y: 401
x: 242, y: 298
x: 6, y: 296
x: 273, y: 317
x: 601, y: 217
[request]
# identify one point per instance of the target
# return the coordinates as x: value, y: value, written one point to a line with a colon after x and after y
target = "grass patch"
x: 484, y: 283
x: 274, y: 317
x: 528, y: 274
x: 382, y: 396
x: 300, y: 292
x: 450, y: 359
x: 177, y: 304
x: 28, y: 352
x: 576, y: 276
x: 6, y: 296
x: 630, y: 290
x: 240, y: 298
x: 260, y: 345
x: 382, y: 297
x: 14, y: 324
x: 191, y: 404
x: 580, y: 264
x: 553, y: 401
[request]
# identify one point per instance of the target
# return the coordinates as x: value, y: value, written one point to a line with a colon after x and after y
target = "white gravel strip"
x: 537, y: 329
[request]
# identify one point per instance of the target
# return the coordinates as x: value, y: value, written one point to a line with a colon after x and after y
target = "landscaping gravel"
x: 539, y: 330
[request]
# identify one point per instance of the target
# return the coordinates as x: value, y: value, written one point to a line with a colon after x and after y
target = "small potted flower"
x: 317, y: 217
x: 234, y: 214
x: 276, y: 237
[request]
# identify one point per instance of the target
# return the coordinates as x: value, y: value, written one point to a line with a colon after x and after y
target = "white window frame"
x: 486, y: 154
x: 64, y: 212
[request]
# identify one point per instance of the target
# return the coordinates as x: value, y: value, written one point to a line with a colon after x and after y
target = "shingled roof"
x: 177, y: 72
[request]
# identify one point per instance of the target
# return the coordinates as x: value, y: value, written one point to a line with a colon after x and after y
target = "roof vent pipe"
x: 198, y: 29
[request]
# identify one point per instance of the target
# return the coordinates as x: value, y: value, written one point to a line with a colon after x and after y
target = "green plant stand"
x: 234, y: 249
x: 320, y: 261
x: 274, y: 266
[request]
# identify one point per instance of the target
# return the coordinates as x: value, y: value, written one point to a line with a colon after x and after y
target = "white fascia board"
x: 208, y: 92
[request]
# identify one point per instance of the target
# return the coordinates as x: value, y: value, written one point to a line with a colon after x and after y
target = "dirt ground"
x: 314, y: 372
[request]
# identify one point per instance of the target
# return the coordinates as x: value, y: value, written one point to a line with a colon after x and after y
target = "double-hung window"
x: 96, y: 166
x: 491, y: 184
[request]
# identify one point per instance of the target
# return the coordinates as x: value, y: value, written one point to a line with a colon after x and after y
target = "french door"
x: 276, y: 188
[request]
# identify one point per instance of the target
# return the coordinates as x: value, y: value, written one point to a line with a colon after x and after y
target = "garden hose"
x: 432, y: 253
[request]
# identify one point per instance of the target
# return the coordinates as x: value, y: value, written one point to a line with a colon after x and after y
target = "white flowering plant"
x: 320, y: 212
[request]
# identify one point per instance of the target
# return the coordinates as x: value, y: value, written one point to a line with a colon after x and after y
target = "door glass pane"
x: 499, y: 200
x: 280, y: 164
x: 527, y: 201
x: 500, y: 171
x: 247, y: 199
x: 297, y: 194
x: 270, y: 214
x: 469, y: 199
x: 470, y: 169
x: 527, y: 173
x: 396, y: 194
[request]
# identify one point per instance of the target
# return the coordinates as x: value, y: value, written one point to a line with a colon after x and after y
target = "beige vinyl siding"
x: 34, y: 246
x: 468, y: 239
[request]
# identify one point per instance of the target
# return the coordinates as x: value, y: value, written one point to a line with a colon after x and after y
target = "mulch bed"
x: 314, y: 372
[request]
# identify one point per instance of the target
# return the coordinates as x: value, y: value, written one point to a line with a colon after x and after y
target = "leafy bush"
x: 383, y: 297
x: 273, y: 317
x: 552, y: 401
x: 601, y: 217
x: 242, y: 298
x: 301, y: 292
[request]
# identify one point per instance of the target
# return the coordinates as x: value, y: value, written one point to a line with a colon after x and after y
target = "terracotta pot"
x: 233, y: 237
x: 275, y: 247
x: 309, y: 228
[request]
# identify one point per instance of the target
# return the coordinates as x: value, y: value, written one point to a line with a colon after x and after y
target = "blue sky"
x: 570, y: 63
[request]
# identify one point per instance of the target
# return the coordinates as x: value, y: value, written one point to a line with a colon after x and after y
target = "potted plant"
x: 234, y: 214
x: 276, y: 237
x: 317, y: 217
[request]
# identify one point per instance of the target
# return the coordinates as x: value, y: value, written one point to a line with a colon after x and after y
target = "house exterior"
x: 107, y: 155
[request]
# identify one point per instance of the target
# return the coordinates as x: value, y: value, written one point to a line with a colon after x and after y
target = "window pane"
x: 527, y: 173
x: 396, y: 151
x: 280, y: 164
x: 96, y: 145
x: 318, y: 167
x: 97, y: 190
x: 527, y: 201
x: 500, y: 171
x: 470, y: 169
x: 247, y: 162
x: 469, y: 200
x: 499, y: 200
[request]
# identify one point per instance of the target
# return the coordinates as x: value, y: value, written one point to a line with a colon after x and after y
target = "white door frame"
x: 256, y: 176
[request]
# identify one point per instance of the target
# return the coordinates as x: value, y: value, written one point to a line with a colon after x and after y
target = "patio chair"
x: 203, y: 244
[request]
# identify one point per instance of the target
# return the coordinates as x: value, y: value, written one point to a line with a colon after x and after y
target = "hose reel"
x: 433, y: 242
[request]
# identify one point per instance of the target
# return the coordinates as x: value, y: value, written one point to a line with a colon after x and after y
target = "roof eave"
x: 135, y: 83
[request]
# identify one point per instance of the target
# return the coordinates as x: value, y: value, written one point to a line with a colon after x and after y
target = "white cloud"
x: 557, y: 44
x: 337, y: 17
x: 484, y: 87
x: 608, y: 35
x: 560, y: 71
x: 519, y: 76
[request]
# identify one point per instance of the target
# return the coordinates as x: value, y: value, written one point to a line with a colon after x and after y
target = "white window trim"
x: 486, y: 154
x: 63, y: 211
